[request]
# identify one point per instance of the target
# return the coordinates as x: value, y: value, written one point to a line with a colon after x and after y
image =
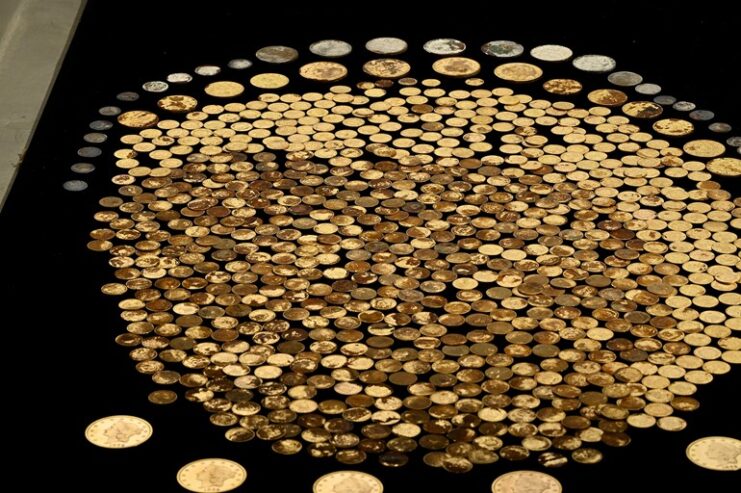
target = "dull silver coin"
x: 503, y: 48
x: 648, y: 89
x: 127, y: 96
x: 595, y: 63
x: 74, y: 185
x: 239, y: 64
x: 331, y: 48
x: 684, y: 106
x: 89, y: 151
x: 444, y: 46
x: 720, y: 127
x: 95, y: 138
x: 109, y: 111
x: 665, y: 99
x: 734, y: 141
x: 551, y: 53
x: 702, y: 115
x: 386, y: 46
x: 101, y: 125
x: 625, y: 78
x: 82, y: 168
x: 276, y: 54
x: 179, y: 78
x: 155, y: 86
x: 207, y: 70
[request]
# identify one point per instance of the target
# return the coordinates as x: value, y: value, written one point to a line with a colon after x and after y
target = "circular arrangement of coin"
x: 453, y: 269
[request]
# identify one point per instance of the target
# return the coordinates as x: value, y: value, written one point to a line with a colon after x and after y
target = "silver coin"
x: 551, y: 53
x: 82, y: 168
x: 684, y: 106
x: 665, y: 99
x: 330, y: 48
x: 127, y: 96
x: 95, y: 138
x: 734, y: 141
x: 720, y: 127
x: 207, y: 70
x: 625, y: 78
x: 738, y: 150
x: 595, y: 63
x: 155, y: 86
x: 89, y: 151
x: 74, y: 185
x: 444, y: 46
x: 239, y: 64
x: 503, y: 48
x: 702, y: 115
x: 179, y: 78
x: 276, y: 54
x: 101, y: 125
x: 386, y: 46
x: 648, y: 89
x: 109, y: 110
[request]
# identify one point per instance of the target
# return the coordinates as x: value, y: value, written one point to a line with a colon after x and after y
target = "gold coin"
x: 269, y: 81
x: 224, y: 89
x: 118, y: 432
x: 704, y: 148
x: 387, y: 68
x: 456, y: 66
x: 725, y: 166
x: 642, y: 109
x: 211, y: 475
x: 178, y: 103
x: 138, y: 119
x: 348, y: 481
x: 607, y: 97
x: 562, y: 87
x: 673, y: 127
x: 716, y: 453
x: 518, y: 72
x: 323, y: 71
x: 162, y: 397
x: 525, y: 482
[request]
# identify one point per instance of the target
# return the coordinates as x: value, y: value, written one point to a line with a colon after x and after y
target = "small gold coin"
x: 224, y: 89
x: 716, y: 453
x: 562, y: 87
x: 704, y: 148
x: 725, y: 166
x: 673, y: 127
x: 323, y: 71
x: 387, y: 68
x: 525, y: 482
x: 350, y: 481
x: 138, y: 119
x: 162, y: 397
x: 211, y: 475
x: 178, y: 103
x: 518, y: 72
x: 118, y: 432
x: 456, y: 66
x: 607, y: 97
x: 642, y: 109
x: 269, y: 81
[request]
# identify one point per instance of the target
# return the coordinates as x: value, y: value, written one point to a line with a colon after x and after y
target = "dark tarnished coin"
x: 503, y: 48
x: 625, y: 78
x: 445, y: 46
x: 276, y: 54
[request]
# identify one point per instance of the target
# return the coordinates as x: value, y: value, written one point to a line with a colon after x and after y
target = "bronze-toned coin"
x: 269, y: 81
x: 725, y: 166
x: 347, y: 481
x: 178, y: 103
x: 704, y: 148
x: 518, y: 72
x: 162, y: 397
x: 276, y: 54
x: 118, y: 432
x: 444, y: 46
x: 386, y: 46
x: 211, y: 475
x: 563, y: 87
x: 456, y: 66
x: 331, y: 48
x: 323, y: 71
x: 674, y: 127
x: 607, y: 97
x: 716, y: 453
x: 224, y: 89
x: 525, y: 482
x: 138, y: 119
x: 387, y: 68
x: 642, y: 109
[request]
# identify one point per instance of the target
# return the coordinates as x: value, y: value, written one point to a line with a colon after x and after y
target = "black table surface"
x: 66, y: 370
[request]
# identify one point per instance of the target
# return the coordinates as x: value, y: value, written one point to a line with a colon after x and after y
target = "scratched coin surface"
x: 118, y: 432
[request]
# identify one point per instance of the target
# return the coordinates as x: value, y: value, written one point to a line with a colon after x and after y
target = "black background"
x: 59, y: 329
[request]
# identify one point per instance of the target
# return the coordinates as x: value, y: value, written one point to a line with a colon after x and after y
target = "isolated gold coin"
x: 178, y: 103
x: 456, y: 66
x: 350, y: 481
x: 716, y: 453
x: 725, y: 166
x: 387, y: 68
x: 138, y: 119
x: 323, y: 71
x: 269, y: 81
x: 704, y: 148
x: 118, y: 432
x: 673, y: 127
x: 518, y: 72
x: 224, y: 89
x: 211, y: 475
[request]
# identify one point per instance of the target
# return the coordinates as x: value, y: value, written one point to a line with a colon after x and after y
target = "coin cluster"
x: 464, y: 272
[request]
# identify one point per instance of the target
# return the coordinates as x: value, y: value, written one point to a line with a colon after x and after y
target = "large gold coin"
x: 387, y: 68
x: 177, y: 103
x: 224, y: 89
x: 118, y: 432
x: 269, y: 81
x: 526, y: 482
x: 725, y: 166
x: 642, y: 109
x: 348, y: 481
x: 211, y: 475
x: 704, y: 148
x: 673, y: 127
x: 716, y: 453
x: 518, y: 72
x: 323, y: 71
x: 138, y: 119
x: 456, y: 66
x: 607, y: 97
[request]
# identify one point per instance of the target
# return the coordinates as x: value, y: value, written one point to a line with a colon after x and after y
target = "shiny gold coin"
x: 456, y: 66
x: 269, y: 81
x: 716, y: 453
x: 138, y: 119
x: 704, y: 148
x: 348, y: 481
x: 643, y: 109
x: 673, y: 127
x: 387, y: 68
x: 323, y: 71
x: 526, y: 482
x: 607, y: 97
x: 162, y: 397
x: 211, y: 475
x: 118, y: 432
x: 518, y: 72
x: 178, y: 103
x: 725, y: 166
x: 224, y: 89
x: 563, y: 87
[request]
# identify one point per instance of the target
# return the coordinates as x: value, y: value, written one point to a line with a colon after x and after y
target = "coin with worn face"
x: 704, y: 148
x: 155, y: 86
x: 502, y: 48
x: 178, y: 103
x: 445, y: 46
x: 551, y: 53
x: 725, y: 166
x: 387, y: 68
x: 137, y: 119
x: 526, y: 482
x: 674, y: 127
x: 518, y: 72
x: 456, y: 66
x: 269, y: 81
x: 276, y: 54
x: 224, y: 89
x: 562, y: 87
x: 386, y: 46
x: 118, y: 432
x: 648, y: 89
x: 594, y: 63
x: 211, y: 475
x: 625, y: 78
x: 74, y: 185
x: 642, y: 109
x: 179, y: 78
x: 348, y: 482
x: 607, y: 97
x: 716, y: 453
x: 331, y: 48
x: 323, y: 71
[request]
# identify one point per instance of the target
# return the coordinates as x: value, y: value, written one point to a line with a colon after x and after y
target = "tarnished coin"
x: 642, y: 109
x: 276, y: 54
x: 625, y: 78
x: 456, y: 66
x: 74, y: 185
x: 608, y: 97
x: 155, y: 86
x: 269, y: 81
x: 526, y: 482
x: 551, y: 53
x: 224, y: 89
x: 725, y: 166
x: 563, y: 87
x: 734, y: 141
x: 684, y: 106
x: 387, y: 68
x: 594, y: 63
x: 720, y: 127
x: 386, y: 46
x: 137, y: 119
x: 503, y: 48
x: 702, y: 115
x: 716, y: 453
x: 127, y: 96
x: 178, y: 103
x: 445, y: 46
x: 323, y: 71
x: 118, y: 432
x: 518, y: 72
x: 348, y: 482
x: 674, y: 127
x: 704, y: 148
x: 211, y: 475
x: 665, y: 99
x: 162, y: 397
x: 331, y: 48
x: 239, y: 64
x: 82, y: 168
